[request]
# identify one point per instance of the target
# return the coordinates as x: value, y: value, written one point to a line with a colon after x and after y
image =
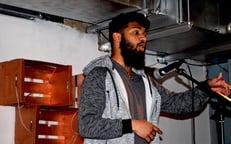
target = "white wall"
x: 46, y: 41
x: 52, y: 42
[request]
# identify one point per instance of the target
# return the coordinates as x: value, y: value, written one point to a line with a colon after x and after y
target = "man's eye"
x: 136, y: 32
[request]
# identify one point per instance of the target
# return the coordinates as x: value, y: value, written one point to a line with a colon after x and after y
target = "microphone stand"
x: 219, y: 112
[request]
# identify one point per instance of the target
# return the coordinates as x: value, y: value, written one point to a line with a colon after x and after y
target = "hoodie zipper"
x: 113, y: 82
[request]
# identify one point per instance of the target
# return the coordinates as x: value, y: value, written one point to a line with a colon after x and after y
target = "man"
x: 120, y: 103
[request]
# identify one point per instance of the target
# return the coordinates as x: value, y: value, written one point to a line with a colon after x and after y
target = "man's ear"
x: 116, y: 36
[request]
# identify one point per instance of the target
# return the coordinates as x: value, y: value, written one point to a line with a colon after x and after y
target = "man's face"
x: 133, y: 44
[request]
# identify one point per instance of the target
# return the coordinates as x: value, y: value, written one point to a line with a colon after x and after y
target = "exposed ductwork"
x: 188, y: 29
x: 185, y: 29
x: 212, y: 15
x: 197, y: 29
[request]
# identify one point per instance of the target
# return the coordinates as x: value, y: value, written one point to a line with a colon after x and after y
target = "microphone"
x: 159, y: 73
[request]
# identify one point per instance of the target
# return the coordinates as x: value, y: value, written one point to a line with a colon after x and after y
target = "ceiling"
x: 90, y: 11
x: 199, y: 30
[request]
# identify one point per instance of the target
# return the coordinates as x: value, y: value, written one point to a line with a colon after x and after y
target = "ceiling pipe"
x: 28, y: 14
x: 193, y: 53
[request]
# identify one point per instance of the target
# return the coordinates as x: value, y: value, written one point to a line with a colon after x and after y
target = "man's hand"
x: 218, y: 85
x: 145, y: 129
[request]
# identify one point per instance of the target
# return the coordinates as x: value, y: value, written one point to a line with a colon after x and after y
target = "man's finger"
x: 157, y: 130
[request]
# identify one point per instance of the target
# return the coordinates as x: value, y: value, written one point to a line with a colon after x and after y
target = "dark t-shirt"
x: 136, y: 96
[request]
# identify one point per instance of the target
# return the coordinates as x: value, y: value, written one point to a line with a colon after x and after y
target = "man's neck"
x: 121, y: 62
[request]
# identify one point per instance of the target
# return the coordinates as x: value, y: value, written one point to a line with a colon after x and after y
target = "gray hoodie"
x: 104, y: 104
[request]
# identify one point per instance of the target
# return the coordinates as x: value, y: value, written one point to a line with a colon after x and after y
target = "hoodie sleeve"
x: 181, y: 103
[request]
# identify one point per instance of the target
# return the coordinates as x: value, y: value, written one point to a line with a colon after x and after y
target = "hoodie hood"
x: 103, y: 61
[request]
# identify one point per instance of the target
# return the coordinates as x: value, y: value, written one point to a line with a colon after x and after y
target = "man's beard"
x: 131, y: 56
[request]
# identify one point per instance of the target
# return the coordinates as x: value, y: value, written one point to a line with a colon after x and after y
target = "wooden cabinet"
x: 45, y: 97
x: 35, y: 82
x: 36, y: 125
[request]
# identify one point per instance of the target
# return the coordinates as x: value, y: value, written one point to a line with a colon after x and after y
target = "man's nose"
x: 143, y: 38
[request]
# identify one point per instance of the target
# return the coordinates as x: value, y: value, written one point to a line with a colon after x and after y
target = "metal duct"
x: 214, y: 15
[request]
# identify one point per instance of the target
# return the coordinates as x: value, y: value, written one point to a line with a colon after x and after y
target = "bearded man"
x: 119, y: 102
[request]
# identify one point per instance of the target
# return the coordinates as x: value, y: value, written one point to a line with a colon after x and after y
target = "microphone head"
x: 157, y: 74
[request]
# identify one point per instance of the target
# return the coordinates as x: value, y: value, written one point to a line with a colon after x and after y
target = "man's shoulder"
x: 99, y: 69
x: 103, y: 61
